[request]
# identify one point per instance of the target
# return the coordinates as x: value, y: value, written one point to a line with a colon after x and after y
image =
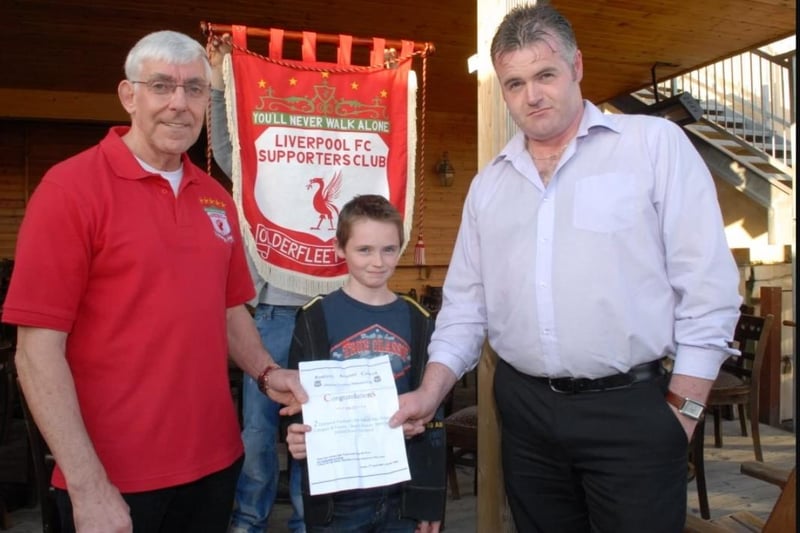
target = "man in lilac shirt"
x: 590, y: 248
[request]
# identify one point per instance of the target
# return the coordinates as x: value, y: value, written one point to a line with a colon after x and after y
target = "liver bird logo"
x: 324, y: 197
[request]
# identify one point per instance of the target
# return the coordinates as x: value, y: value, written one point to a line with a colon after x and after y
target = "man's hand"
x: 216, y: 49
x: 687, y: 423
x: 100, y: 510
x: 296, y: 440
x: 418, y: 407
x: 415, y: 411
x: 285, y: 388
x: 46, y: 380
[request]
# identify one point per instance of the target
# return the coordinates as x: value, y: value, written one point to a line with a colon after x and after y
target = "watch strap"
x: 679, y: 401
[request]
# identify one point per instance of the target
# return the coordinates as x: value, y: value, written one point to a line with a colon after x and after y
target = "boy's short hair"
x: 369, y: 206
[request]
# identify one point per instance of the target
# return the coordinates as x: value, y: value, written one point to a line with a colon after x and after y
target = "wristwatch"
x: 686, y: 406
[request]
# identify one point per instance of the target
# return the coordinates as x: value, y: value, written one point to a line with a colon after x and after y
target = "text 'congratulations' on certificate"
x: 350, y: 445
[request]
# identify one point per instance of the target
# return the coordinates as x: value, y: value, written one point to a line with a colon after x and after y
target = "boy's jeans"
x: 375, y: 510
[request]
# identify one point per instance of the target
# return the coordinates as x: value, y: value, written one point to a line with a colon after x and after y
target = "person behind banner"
x: 129, y: 293
x: 590, y: 248
x: 365, y: 319
x: 274, y: 315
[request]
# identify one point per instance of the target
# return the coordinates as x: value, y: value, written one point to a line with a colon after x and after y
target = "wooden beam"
x: 61, y: 105
x: 769, y: 401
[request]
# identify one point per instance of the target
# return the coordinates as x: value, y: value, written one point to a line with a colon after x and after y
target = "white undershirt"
x: 174, y: 177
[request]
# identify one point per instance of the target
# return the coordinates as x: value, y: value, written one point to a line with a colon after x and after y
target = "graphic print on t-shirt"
x: 372, y: 342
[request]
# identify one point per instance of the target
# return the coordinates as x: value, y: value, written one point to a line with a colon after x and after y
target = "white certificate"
x: 351, y: 445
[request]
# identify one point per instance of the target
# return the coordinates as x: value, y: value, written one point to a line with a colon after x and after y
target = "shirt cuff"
x: 456, y: 365
x: 699, y: 362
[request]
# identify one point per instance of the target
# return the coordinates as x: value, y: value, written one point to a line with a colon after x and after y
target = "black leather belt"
x: 643, y: 372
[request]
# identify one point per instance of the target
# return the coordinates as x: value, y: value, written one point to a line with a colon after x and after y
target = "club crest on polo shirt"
x: 215, y: 210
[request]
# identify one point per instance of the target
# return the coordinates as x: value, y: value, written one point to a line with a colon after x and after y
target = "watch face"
x: 692, y: 409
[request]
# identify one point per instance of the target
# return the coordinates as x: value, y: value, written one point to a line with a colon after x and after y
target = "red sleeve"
x: 51, y: 265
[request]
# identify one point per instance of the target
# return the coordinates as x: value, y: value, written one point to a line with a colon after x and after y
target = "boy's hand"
x: 296, y: 440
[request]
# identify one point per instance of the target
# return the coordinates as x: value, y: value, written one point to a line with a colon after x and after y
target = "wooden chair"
x: 7, y: 388
x: 697, y: 467
x: 43, y: 464
x: 782, y: 519
x: 461, y: 432
x: 729, y: 388
x: 738, y: 380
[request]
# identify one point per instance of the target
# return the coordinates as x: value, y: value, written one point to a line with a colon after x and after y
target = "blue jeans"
x: 368, y: 511
x: 258, y: 481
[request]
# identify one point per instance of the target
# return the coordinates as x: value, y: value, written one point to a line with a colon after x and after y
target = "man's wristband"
x: 263, y: 378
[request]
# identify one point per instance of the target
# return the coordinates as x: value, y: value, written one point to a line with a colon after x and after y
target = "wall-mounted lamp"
x: 445, y: 171
x: 473, y: 62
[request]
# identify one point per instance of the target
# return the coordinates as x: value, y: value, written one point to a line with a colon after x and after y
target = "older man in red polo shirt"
x: 129, y: 285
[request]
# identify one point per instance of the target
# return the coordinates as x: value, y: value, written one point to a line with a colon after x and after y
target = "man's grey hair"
x: 526, y: 25
x: 168, y: 46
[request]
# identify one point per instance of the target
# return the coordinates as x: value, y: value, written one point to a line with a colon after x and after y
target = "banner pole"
x: 427, y: 48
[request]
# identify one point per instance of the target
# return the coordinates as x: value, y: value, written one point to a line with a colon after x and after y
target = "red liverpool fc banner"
x: 307, y: 137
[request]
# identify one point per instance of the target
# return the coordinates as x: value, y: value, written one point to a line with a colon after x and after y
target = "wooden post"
x: 769, y: 401
x: 492, y: 511
x: 495, y: 128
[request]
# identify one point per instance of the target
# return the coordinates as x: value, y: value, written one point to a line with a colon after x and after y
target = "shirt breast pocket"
x: 605, y: 203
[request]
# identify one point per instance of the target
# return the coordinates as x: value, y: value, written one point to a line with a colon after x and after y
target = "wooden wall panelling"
x: 454, y: 133
x: 81, y: 50
x: 28, y: 149
x: 12, y: 185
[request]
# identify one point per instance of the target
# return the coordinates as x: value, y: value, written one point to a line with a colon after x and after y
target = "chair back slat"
x: 750, y: 335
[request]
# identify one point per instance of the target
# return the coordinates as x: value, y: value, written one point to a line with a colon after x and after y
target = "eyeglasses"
x: 193, y: 89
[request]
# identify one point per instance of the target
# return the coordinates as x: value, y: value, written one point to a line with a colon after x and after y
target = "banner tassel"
x: 419, y: 258
x: 419, y: 252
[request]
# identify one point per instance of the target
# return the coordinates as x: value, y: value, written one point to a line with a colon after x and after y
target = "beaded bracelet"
x: 263, y: 378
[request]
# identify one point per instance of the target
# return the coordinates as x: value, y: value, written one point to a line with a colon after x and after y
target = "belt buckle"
x: 551, y: 382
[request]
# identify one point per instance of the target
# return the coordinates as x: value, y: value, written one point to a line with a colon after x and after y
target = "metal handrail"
x: 750, y: 95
